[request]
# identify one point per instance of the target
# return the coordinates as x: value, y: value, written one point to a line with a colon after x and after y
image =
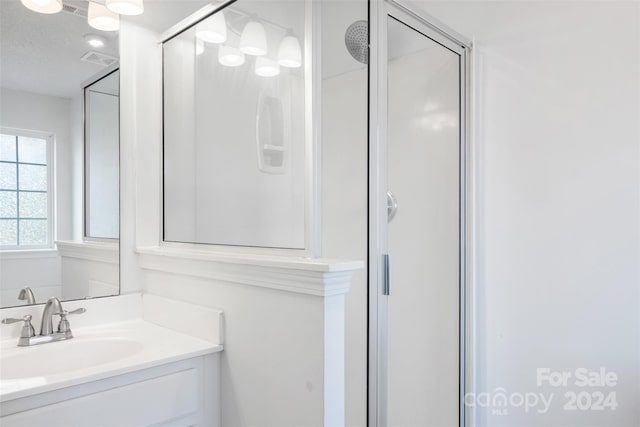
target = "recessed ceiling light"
x: 95, y: 40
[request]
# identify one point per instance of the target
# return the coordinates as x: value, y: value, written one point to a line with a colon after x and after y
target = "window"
x: 25, y: 190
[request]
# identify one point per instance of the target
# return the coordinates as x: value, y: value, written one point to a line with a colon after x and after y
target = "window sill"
x: 28, y: 253
x: 108, y: 252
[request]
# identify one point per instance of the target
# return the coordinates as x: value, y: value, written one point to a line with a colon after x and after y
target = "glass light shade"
x: 266, y: 67
x: 125, y: 7
x: 43, y: 6
x: 101, y: 18
x: 230, y: 56
x: 253, y: 40
x: 199, y: 47
x: 289, y: 54
x: 213, y: 29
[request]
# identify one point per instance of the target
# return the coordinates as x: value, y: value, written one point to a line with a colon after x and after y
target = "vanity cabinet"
x: 182, y: 393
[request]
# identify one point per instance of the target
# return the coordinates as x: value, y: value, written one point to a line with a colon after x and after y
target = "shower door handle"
x: 386, y: 274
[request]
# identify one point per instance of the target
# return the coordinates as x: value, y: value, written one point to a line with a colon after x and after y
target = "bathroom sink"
x: 65, y: 356
x: 95, y: 353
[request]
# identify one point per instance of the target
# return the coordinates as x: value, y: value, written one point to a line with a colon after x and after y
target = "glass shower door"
x: 423, y: 231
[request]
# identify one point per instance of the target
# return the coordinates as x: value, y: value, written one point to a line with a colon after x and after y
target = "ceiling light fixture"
x: 101, y: 18
x: 266, y: 67
x: 213, y: 29
x: 43, y: 6
x: 253, y: 40
x: 230, y: 56
x: 95, y: 40
x: 289, y: 54
x: 125, y: 7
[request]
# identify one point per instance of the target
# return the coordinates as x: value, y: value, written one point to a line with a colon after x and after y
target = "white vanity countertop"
x: 94, y: 353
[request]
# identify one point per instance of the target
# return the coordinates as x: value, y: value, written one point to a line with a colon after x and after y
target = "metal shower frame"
x: 413, y: 16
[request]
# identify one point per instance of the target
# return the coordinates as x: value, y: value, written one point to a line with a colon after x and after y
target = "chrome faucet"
x: 52, y: 308
x: 27, y: 294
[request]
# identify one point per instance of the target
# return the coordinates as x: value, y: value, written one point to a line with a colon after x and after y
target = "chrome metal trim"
x: 386, y: 268
x: 439, y: 32
x: 192, y: 19
x: 392, y: 206
x: 432, y: 22
x: 377, y: 352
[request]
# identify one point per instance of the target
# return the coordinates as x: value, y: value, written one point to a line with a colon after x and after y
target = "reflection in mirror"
x: 102, y: 152
x: 234, y: 127
x: 45, y: 59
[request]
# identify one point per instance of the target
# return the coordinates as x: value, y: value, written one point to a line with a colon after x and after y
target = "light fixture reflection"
x: 213, y: 29
x: 199, y: 47
x: 101, y: 18
x: 230, y: 56
x: 266, y: 67
x: 43, y: 6
x: 125, y: 7
x: 289, y: 54
x: 95, y: 40
x: 253, y: 40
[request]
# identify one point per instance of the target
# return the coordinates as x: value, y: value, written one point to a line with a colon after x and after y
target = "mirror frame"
x: 312, y: 136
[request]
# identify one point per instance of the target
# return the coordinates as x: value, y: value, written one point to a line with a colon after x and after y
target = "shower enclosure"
x: 417, y: 224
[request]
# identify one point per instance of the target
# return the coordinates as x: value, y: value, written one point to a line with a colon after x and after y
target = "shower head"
x: 357, y: 41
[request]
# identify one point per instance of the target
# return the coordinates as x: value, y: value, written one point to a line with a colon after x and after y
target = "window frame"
x: 49, y: 138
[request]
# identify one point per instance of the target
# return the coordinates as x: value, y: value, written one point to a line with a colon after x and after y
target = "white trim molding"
x: 28, y: 253
x: 108, y: 252
x: 311, y: 276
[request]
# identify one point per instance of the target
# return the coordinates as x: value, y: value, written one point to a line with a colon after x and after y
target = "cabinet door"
x: 145, y: 403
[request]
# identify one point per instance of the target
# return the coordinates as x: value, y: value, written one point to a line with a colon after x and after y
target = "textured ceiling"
x: 41, y: 53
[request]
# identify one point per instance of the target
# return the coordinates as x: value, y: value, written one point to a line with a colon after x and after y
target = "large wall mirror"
x: 47, y: 246
x: 235, y: 130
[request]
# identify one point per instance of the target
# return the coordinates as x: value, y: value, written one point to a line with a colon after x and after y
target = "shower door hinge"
x: 386, y: 274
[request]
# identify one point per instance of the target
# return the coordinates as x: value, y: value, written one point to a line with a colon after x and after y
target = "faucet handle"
x: 10, y: 320
x: 27, y: 329
x: 76, y: 311
x: 64, y: 326
x: 65, y: 313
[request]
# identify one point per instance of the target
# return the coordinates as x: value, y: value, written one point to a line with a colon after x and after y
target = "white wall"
x: 103, y: 152
x: 39, y: 271
x: 89, y: 269
x: 344, y: 217
x: 344, y: 185
x: 76, y: 169
x: 557, y: 99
